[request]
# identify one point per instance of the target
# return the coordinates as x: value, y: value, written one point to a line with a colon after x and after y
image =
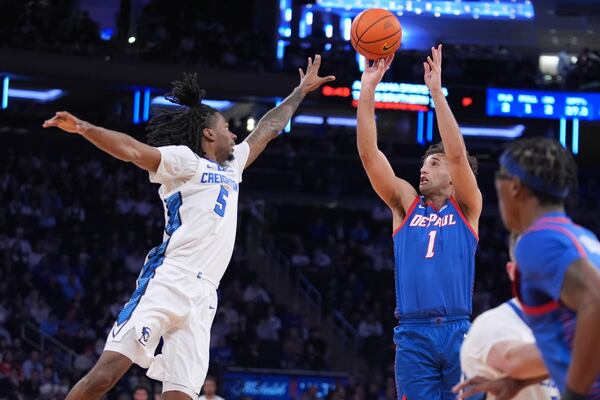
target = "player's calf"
x: 102, y: 377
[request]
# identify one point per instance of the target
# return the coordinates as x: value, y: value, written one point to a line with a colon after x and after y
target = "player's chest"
x: 424, y: 220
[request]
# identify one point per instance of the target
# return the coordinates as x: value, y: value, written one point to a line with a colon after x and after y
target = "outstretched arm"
x: 276, y: 119
x: 395, y: 192
x: 465, y: 183
x: 517, y: 359
x: 117, y: 144
x: 581, y: 292
x: 501, y: 388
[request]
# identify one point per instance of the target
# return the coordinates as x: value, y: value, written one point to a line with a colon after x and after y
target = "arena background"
x: 306, y: 306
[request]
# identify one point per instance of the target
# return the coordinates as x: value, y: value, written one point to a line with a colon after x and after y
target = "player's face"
x: 225, y: 139
x: 435, y: 175
x: 507, y: 202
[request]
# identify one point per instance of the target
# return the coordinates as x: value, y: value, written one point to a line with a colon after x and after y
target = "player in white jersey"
x: 500, y: 344
x: 193, y: 156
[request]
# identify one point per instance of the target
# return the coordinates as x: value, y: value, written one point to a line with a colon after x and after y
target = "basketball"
x: 376, y: 33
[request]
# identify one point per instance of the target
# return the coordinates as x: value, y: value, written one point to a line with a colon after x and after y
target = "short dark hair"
x: 549, y: 162
x: 438, y: 148
x: 210, y: 378
x: 183, y: 126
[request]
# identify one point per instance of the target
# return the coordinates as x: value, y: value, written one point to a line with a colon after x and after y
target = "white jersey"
x: 493, y: 326
x: 200, y: 198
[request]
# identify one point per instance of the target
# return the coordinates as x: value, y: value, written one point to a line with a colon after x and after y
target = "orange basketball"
x: 376, y: 33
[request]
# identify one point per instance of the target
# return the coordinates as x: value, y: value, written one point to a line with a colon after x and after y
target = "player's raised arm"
x: 276, y: 119
x: 117, y: 144
x: 395, y: 192
x: 463, y: 178
x: 580, y: 293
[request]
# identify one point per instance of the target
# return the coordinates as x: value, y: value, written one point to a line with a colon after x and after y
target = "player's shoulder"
x: 497, y: 324
x: 545, y: 236
x: 492, y: 317
x: 176, y: 147
x: 178, y: 152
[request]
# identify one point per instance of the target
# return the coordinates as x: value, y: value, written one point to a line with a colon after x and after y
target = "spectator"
x: 32, y: 364
x: 141, y: 393
x: 369, y: 327
x: 209, y: 389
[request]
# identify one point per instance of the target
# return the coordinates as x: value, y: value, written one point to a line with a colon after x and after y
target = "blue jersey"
x: 434, y: 252
x: 543, y: 254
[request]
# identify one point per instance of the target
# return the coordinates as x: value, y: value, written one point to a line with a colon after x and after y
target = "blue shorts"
x: 428, y: 357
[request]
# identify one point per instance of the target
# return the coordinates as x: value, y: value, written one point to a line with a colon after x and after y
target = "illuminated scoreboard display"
x: 388, y: 95
x: 542, y: 104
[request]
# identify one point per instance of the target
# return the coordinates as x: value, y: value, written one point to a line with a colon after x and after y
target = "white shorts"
x: 179, y: 307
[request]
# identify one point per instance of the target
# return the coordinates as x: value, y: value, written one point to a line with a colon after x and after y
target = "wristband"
x: 571, y: 395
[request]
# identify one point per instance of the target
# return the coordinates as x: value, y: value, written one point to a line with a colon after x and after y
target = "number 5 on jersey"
x: 221, y: 202
x: 430, y: 253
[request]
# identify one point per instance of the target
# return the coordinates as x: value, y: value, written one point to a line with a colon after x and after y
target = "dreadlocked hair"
x: 548, y: 161
x: 438, y: 148
x: 183, y: 126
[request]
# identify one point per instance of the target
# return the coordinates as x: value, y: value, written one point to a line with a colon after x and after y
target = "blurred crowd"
x: 67, y: 271
x: 209, y: 35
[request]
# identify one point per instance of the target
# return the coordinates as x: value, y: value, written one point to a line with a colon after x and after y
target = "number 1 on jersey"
x: 430, y: 245
x: 221, y: 202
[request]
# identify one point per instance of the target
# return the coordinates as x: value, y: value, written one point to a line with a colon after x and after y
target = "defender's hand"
x: 311, y: 80
x: 502, y: 388
x: 67, y: 122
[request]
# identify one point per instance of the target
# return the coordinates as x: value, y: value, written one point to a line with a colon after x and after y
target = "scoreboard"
x: 542, y: 104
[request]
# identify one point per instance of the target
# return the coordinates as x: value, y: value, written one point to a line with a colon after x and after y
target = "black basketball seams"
x: 383, y: 38
x: 375, y: 52
x: 356, y: 27
x: 373, y: 24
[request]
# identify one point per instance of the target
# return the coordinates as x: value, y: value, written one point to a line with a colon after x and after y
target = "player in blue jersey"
x: 435, y: 238
x: 558, y: 265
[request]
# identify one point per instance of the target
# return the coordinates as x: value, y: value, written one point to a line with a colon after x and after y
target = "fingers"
x: 317, y: 62
x: 59, y: 117
x: 426, y: 68
x: 53, y: 121
x: 432, y: 65
x: 62, y: 114
x: 328, y: 78
x: 439, y: 54
x: 470, y: 392
x: 301, y: 73
x: 313, y: 65
x: 388, y: 61
x: 469, y: 382
x: 459, y: 386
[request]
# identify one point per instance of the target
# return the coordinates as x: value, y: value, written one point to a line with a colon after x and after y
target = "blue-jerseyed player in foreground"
x: 558, y: 268
x: 435, y: 239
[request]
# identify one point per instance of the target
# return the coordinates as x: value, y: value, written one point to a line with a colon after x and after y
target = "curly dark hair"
x: 183, y: 126
x: 438, y: 148
x: 550, y: 163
